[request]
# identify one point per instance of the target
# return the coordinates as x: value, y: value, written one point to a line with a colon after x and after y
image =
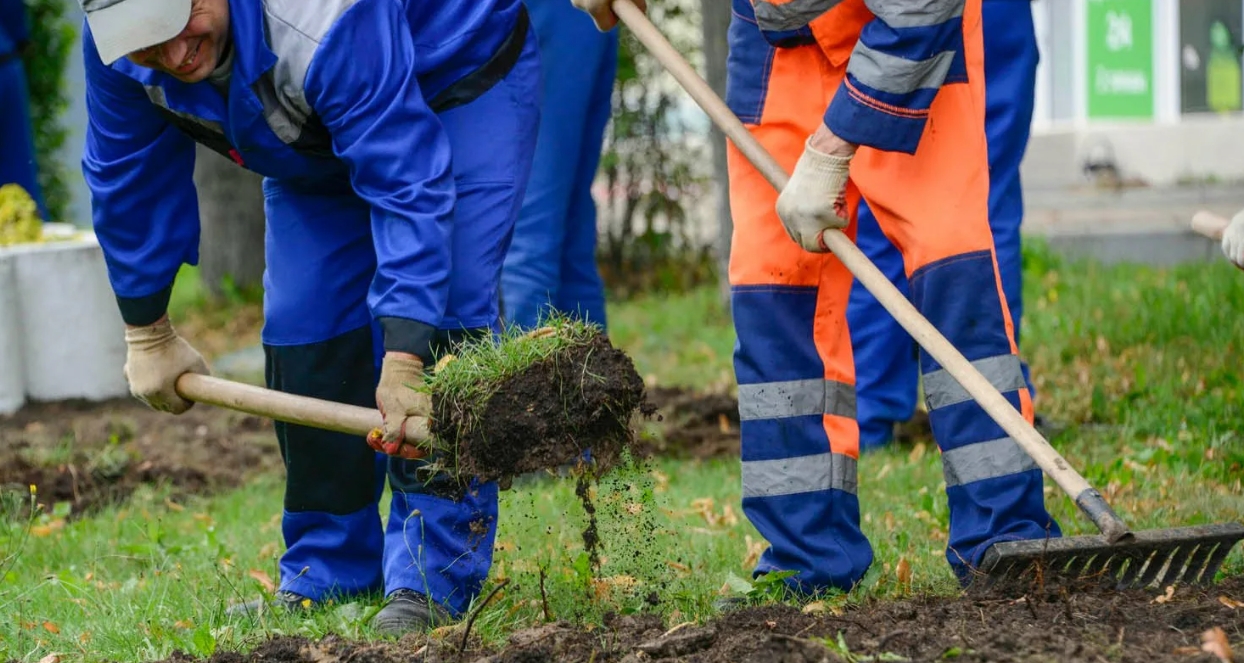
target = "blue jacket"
x: 14, y: 26
x: 325, y: 95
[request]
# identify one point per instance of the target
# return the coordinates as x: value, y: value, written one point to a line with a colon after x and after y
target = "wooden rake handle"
x: 1209, y: 224
x: 290, y: 408
x: 977, y: 386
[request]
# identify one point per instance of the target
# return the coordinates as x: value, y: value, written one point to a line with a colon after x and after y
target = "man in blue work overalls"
x: 886, y: 369
x: 396, y: 139
x: 17, y: 144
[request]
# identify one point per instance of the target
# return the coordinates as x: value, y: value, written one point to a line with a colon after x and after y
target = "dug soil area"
x: 92, y: 454
x: 1188, y: 625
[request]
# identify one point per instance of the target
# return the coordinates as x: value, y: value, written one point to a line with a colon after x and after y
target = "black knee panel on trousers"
x: 325, y: 470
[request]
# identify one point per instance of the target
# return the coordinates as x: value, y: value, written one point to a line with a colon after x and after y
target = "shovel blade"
x: 1184, y: 555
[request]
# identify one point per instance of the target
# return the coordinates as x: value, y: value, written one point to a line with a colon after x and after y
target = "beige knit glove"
x: 809, y: 204
x: 155, y: 357
x: 398, y: 397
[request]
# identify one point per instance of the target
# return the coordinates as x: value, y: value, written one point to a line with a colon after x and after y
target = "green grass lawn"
x: 1142, y: 366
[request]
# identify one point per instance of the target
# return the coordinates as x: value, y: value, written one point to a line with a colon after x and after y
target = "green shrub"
x: 52, y: 38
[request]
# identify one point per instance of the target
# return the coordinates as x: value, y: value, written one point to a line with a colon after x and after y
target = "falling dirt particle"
x: 591, y: 537
x: 1214, y: 641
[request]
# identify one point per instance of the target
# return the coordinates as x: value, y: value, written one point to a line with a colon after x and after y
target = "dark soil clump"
x: 1087, y: 626
x: 92, y: 454
x: 549, y: 415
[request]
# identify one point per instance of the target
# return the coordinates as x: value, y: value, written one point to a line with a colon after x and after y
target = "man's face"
x: 193, y: 54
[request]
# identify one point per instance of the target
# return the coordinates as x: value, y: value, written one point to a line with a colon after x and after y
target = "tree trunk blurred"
x: 715, y: 24
x: 232, y: 217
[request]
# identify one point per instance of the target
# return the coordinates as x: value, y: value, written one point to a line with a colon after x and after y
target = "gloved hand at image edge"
x: 1233, y: 240
x: 602, y: 11
x: 399, y: 396
x: 813, y: 200
x: 155, y: 357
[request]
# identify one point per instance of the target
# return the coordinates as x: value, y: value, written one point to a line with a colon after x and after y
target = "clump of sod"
x: 531, y: 402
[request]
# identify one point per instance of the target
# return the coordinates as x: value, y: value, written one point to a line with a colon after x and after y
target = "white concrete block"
x: 73, y: 339
x: 12, y: 375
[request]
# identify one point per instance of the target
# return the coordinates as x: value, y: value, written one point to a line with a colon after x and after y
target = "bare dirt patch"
x: 90, y: 454
x: 1091, y: 626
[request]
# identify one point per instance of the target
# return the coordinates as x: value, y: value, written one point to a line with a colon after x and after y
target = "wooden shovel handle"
x: 1209, y: 224
x: 290, y: 408
x: 980, y: 389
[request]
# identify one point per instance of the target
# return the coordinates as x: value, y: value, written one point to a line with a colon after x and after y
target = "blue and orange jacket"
x: 901, y: 53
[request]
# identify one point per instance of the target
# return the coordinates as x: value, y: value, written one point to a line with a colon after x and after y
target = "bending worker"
x: 880, y: 100
x: 551, y: 265
x: 886, y: 370
x: 395, y: 139
x: 17, y: 142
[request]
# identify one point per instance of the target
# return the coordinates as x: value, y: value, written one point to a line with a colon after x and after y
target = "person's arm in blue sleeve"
x: 903, y: 57
x: 139, y: 170
x: 362, y: 85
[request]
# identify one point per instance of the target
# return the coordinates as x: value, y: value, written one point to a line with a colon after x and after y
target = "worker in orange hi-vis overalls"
x: 891, y: 91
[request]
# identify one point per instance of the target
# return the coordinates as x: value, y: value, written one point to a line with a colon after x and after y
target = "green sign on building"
x: 1120, y: 58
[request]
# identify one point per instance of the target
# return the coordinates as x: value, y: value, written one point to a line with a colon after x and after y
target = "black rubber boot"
x: 407, y: 611
x: 281, y: 600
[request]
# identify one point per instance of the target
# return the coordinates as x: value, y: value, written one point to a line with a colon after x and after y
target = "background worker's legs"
x: 793, y: 355
x: 17, y: 147
x: 934, y: 206
x: 885, y: 359
x: 551, y: 264
x: 436, y: 542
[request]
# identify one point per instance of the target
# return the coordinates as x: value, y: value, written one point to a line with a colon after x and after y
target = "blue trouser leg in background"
x: 320, y: 341
x: 551, y: 265
x: 885, y: 355
x: 17, y: 146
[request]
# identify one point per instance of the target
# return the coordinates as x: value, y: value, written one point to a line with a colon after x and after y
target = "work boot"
x: 282, y: 599
x: 406, y: 611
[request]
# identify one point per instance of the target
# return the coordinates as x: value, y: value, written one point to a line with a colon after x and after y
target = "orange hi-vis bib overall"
x: 903, y: 79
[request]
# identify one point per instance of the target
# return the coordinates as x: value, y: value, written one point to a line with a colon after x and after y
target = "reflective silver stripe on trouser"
x: 804, y: 474
x: 789, y: 15
x: 796, y: 398
x: 983, y: 460
x: 941, y: 389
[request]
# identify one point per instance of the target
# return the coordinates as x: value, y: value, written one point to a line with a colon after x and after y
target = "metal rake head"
x: 1185, y: 555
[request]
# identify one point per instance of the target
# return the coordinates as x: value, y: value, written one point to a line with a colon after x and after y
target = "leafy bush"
x: 52, y: 38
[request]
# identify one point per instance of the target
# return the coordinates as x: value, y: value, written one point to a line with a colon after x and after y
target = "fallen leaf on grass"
x: 917, y: 453
x: 1215, y: 642
x: 173, y: 506
x: 1170, y: 593
x: 50, y: 627
x: 678, y: 567
x: 183, y: 623
x: 754, y: 550
x: 263, y: 579
x: 50, y: 658
x: 1230, y: 603
x: 903, y: 573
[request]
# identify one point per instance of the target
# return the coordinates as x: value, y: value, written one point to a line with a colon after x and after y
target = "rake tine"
x: 1175, y: 564
x: 1215, y: 561
x: 1196, y: 563
x: 1097, y: 566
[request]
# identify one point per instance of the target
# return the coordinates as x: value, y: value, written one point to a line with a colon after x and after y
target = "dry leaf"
x: 917, y: 452
x: 1230, y: 603
x: 678, y: 567
x: 50, y: 658
x: 814, y: 607
x: 263, y: 579
x: 1215, y: 642
x: 183, y: 623
x: 903, y: 572
x: 1170, y: 593
x: 754, y: 550
x: 50, y: 627
x: 723, y: 423
x: 173, y: 506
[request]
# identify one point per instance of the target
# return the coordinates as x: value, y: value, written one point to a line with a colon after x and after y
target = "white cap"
x: 121, y: 27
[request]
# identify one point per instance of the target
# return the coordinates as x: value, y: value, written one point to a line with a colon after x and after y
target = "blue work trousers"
x: 886, y: 365
x: 17, y: 145
x: 320, y: 342
x: 551, y: 265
